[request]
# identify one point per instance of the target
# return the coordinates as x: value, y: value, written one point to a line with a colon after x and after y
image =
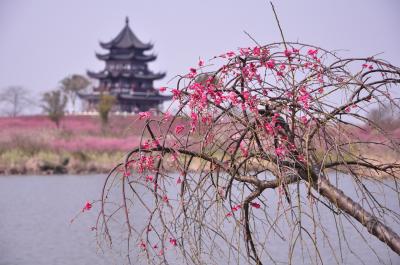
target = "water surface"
x: 35, y: 228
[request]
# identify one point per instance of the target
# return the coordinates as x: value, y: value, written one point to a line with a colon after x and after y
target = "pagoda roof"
x: 126, y: 39
x: 128, y: 56
x: 114, y: 74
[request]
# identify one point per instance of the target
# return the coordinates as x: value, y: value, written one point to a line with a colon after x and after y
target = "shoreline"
x: 52, y: 163
x: 59, y: 170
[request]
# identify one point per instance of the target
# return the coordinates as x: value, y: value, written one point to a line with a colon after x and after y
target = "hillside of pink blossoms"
x: 31, y: 144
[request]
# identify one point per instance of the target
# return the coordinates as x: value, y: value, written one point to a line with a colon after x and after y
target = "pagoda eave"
x: 112, y: 45
x: 145, y: 58
x: 130, y: 56
x: 100, y: 75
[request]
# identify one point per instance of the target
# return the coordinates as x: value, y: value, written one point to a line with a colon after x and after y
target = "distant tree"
x: 14, y: 100
x: 54, y: 103
x: 386, y: 116
x: 71, y: 85
x: 105, y: 105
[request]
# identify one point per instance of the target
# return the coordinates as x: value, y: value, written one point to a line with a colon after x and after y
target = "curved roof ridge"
x: 126, y: 39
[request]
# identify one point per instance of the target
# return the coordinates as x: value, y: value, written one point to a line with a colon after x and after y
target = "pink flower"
x: 244, y: 51
x: 256, y: 51
x: 269, y: 128
x: 176, y: 93
x: 288, y: 53
x: 179, y: 129
x: 228, y: 214
x: 146, y: 145
x: 304, y: 97
x: 142, y: 245
x: 301, y: 158
x: 295, y: 50
x: 303, y: 119
x: 192, y: 72
x: 144, y: 115
x: 165, y: 199
x: 255, y: 205
x: 87, y: 207
x: 201, y: 63
x: 312, y: 52
x: 194, y: 116
x: 246, y: 95
x: 236, y: 207
x: 369, y: 66
x: 149, y: 178
x: 279, y: 151
x: 172, y: 241
x: 270, y: 64
x: 233, y: 98
x: 162, y: 89
x: 230, y: 54
x: 178, y: 181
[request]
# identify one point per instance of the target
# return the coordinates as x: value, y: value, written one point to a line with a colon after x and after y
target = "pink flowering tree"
x: 257, y: 148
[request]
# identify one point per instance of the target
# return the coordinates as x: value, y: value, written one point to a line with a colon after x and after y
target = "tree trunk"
x: 346, y: 204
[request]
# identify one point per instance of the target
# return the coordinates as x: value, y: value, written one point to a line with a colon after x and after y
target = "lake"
x: 35, y: 228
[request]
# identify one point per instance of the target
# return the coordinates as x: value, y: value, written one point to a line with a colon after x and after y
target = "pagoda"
x: 126, y: 75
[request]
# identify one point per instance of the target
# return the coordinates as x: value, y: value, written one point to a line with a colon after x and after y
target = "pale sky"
x: 43, y: 41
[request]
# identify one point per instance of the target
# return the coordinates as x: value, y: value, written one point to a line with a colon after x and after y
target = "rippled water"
x: 35, y: 228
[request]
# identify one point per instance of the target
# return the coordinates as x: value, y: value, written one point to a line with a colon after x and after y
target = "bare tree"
x: 285, y: 117
x: 54, y: 103
x: 254, y: 155
x: 15, y: 99
x: 72, y: 85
